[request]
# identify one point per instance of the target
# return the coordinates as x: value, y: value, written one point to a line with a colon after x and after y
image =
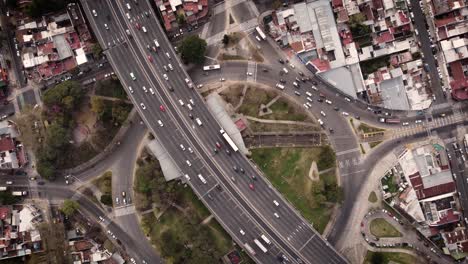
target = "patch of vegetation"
x: 373, y: 65
x: 55, y: 251
x: 39, y: 8
x: 69, y: 207
x: 192, y: 49
x: 288, y: 169
x: 374, y: 144
x: 104, y: 184
x: 327, y: 158
x: 365, y: 128
x: 6, y: 198
x: 282, y: 110
x: 388, y: 257
x: 379, y: 227
x: 372, y: 197
x: 178, y: 234
x: 253, y: 98
x: 264, y: 127
x: 110, y: 88
x: 389, y: 181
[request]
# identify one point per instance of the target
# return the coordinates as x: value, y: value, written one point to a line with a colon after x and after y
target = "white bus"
x: 266, y: 239
x: 260, y: 246
x: 212, y: 67
x: 3, y: 188
x: 249, y: 249
x: 260, y: 33
x: 229, y: 140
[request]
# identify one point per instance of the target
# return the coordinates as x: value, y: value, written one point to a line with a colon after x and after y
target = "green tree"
x: 225, y: 39
x: 192, y: 49
x: 6, y: 198
x: 377, y: 258
x: 356, y: 19
x: 67, y: 95
x: 69, y: 207
x: 119, y: 113
x: 57, y: 136
x: 106, y: 199
x: 38, y: 8
x: 97, y: 105
x: 327, y: 158
x: 276, y: 4
x: 45, y: 169
x: 97, y: 50
x: 180, y: 19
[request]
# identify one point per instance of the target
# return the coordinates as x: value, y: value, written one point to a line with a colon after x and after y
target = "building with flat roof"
x: 193, y: 11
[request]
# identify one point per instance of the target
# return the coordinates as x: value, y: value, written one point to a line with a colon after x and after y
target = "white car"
x: 323, y: 113
x: 165, y: 77
x: 94, y: 13
x: 249, y: 74
x: 276, y: 215
x: 242, y: 232
x: 306, y: 106
x: 309, y: 99
x: 345, y: 114
x: 275, y: 202
x: 347, y: 99
x: 130, y: 89
x: 309, y: 94
x: 418, y: 121
x: 182, y: 147
x: 106, y: 26
x: 165, y: 68
x: 292, y: 65
x: 143, y: 106
x: 9, y: 182
x: 181, y: 102
x: 160, y: 123
x: 128, y: 16
x: 328, y: 102
x: 188, y: 163
x: 144, y: 89
x: 192, y: 102
x: 405, y: 124
x: 222, y: 80
x: 314, y: 88
x: 167, y: 54
x: 190, y: 150
x: 320, y: 122
x: 151, y: 91
x: 170, y: 67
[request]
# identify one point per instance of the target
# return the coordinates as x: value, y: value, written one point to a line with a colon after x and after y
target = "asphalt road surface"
x: 291, y: 234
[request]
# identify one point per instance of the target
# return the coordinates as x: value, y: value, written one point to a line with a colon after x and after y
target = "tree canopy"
x: 192, y: 49
x: 66, y: 95
x: 38, y: 8
x: 69, y: 207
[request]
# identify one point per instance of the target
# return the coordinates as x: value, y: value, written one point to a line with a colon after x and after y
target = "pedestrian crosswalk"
x: 350, y: 162
x: 426, y: 126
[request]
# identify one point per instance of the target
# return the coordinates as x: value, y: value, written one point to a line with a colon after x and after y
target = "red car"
x: 162, y: 108
x: 150, y: 58
x: 137, y: 26
x: 251, y: 186
x: 218, y: 145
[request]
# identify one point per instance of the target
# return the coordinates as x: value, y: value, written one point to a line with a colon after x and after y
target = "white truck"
x: 19, y: 193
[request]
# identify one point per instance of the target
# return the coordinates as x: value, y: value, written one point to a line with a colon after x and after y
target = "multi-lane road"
x: 234, y: 204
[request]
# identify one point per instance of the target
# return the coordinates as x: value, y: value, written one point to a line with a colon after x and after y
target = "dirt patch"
x: 85, y: 120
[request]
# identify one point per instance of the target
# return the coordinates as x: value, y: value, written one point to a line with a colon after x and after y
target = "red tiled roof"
x: 456, y: 236
x: 459, y: 84
x: 436, y: 190
x: 320, y: 65
x: 337, y: 3
x: 191, y: 7
x: 297, y: 46
x: 240, y: 124
x: 403, y: 17
x: 6, y: 144
x: 46, y: 48
x: 4, y: 212
x: 444, y: 21
x: 385, y: 37
x: 82, y: 245
x: 449, y: 217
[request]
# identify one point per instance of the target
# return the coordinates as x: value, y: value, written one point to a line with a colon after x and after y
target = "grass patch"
x: 225, y: 57
x: 104, y: 182
x: 232, y: 94
x: 253, y: 99
x: 287, y: 169
x: 372, y: 197
x: 389, y: 181
x: 374, y: 144
x: 387, y: 257
x: 365, y: 128
x: 263, y: 127
x: 283, y: 111
x: 379, y: 227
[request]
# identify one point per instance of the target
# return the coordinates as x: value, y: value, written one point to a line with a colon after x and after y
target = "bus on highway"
x: 249, y: 249
x: 260, y: 246
x: 229, y: 140
x: 3, y: 188
x: 260, y: 33
x: 266, y: 239
x: 212, y: 67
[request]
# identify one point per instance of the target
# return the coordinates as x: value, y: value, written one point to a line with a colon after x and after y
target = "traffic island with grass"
x: 175, y: 220
x: 390, y: 257
x: 289, y: 170
x: 372, y: 197
x: 104, y: 185
x: 379, y: 227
